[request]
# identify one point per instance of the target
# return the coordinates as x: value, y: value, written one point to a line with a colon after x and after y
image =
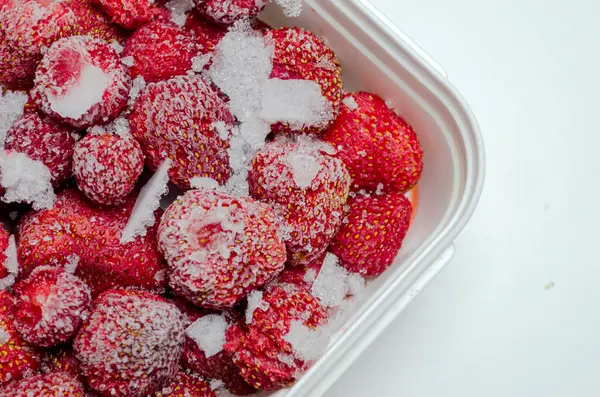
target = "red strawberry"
x: 42, y: 139
x: 219, y: 247
x: 226, y: 12
x: 129, y: 14
x: 18, y: 359
x: 4, y: 238
x: 376, y: 144
x: 219, y: 366
x: 194, y: 136
x: 79, y: 234
x: 59, y: 384
x: 82, y: 82
x: 61, y: 359
x: 91, y: 22
x: 9, y: 265
x: 300, y: 54
x: 106, y: 166
x: 160, y: 50
x: 266, y: 359
x: 131, y: 343
x: 303, y: 276
x: 207, y: 35
x: 51, y: 306
x: 27, y: 27
x: 7, y: 303
x: 308, y: 190
x: 372, y: 232
x: 186, y: 384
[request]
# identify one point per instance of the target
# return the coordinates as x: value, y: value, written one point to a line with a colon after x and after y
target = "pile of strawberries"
x: 204, y: 300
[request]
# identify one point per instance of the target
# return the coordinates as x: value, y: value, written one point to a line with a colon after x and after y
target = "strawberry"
x: 9, y: 265
x: 81, y: 81
x: 131, y: 343
x: 267, y: 361
x: 160, y: 50
x: 376, y: 144
x: 372, y: 232
x: 18, y: 359
x: 195, y: 136
x: 129, y: 14
x: 226, y: 12
x: 4, y: 239
x: 186, y: 384
x: 92, y: 22
x: 106, y: 166
x: 80, y: 235
x: 61, y: 359
x: 207, y: 35
x: 51, y: 306
x: 307, y: 188
x: 44, y: 140
x: 59, y: 384
x: 303, y: 276
x: 27, y: 27
x: 300, y: 54
x: 219, y: 247
x: 7, y: 303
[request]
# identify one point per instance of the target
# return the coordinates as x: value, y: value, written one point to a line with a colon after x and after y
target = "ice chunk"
x: 200, y: 61
x: 128, y: 61
x: 179, y: 9
x: 350, y: 102
x: 291, y: 8
x: 11, y: 264
x: 254, y: 132
x: 222, y: 129
x: 11, y: 108
x: 334, y: 282
x: 72, y: 262
x: 200, y: 182
x: 209, y: 333
x: 137, y: 85
x: 308, y: 344
x: 305, y: 168
x: 147, y: 203
x: 4, y: 336
x: 255, y: 301
x: 82, y: 95
x: 25, y: 181
x: 116, y: 45
x: 298, y: 103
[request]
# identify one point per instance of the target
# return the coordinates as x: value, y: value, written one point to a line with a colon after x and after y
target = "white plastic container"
x: 377, y: 57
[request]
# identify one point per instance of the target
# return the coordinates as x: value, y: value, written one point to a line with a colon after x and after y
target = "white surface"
x: 516, y: 312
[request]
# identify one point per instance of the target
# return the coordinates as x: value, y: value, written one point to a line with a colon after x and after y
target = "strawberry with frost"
x: 129, y: 14
x: 131, y: 343
x: 82, y: 82
x: 308, y: 189
x: 60, y: 384
x: 92, y: 22
x: 51, y: 306
x: 226, y: 12
x: 9, y: 265
x: 219, y: 247
x: 12, y: 106
x: 186, y: 384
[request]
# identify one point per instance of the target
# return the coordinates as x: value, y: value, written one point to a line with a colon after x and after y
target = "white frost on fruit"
x: 254, y: 132
x: 179, y: 9
x: 305, y: 168
x: 350, y: 102
x: 116, y: 46
x: 200, y: 61
x: 201, y: 182
x: 86, y: 92
x: 25, y: 181
x: 4, y: 336
x: 11, y: 264
x: 291, y: 8
x: 11, y: 108
x: 209, y: 333
x: 334, y: 283
x: 255, y: 301
x: 297, y: 103
x: 137, y: 85
x: 147, y: 203
x: 72, y: 263
x: 128, y: 61
x: 308, y: 344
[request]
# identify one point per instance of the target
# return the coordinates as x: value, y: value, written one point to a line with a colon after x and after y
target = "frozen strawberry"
x: 303, y: 276
x: 263, y: 352
x: 185, y: 120
x: 61, y: 359
x: 207, y: 34
x: 59, y: 384
x: 92, y: 22
x: 300, y: 54
x: 4, y: 238
x: 226, y: 12
x: 107, y: 166
x: 307, y: 188
x: 131, y: 343
x: 186, y: 384
x: 376, y: 144
x: 219, y: 247
x: 51, y: 306
x: 85, y: 238
x: 44, y: 140
x: 216, y: 365
x: 160, y: 50
x: 18, y: 359
x: 9, y: 265
x: 129, y: 14
x: 7, y: 303
x: 27, y: 27
x: 372, y: 232
x: 81, y: 81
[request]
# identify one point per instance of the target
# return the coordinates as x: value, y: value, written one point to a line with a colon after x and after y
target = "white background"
x: 492, y: 324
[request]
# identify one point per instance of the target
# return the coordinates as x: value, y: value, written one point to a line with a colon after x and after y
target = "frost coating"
x: 178, y: 9
x: 305, y: 168
x: 25, y: 180
x: 308, y: 344
x: 255, y: 301
x: 209, y: 333
x: 334, y: 282
x: 4, y: 336
x: 11, y: 108
x: 291, y: 8
x: 11, y: 264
